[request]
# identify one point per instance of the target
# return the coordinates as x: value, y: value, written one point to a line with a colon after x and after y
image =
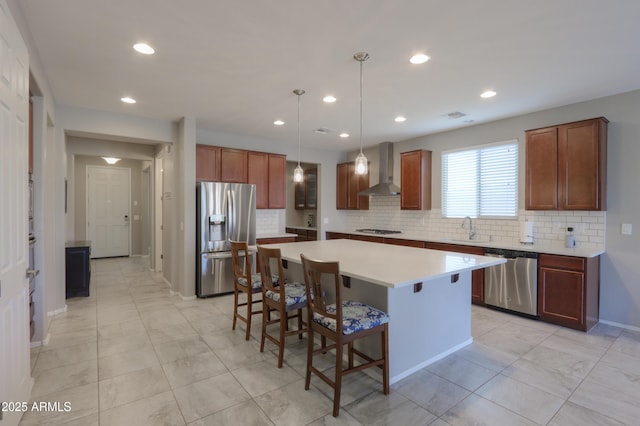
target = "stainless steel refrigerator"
x: 225, y: 212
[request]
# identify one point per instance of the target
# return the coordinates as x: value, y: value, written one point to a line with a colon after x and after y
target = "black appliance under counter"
x: 77, y: 268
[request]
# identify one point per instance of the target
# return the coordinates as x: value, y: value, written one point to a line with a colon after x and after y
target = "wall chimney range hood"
x: 386, y: 185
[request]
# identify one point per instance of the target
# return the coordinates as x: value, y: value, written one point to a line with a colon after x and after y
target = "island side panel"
x: 428, y: 325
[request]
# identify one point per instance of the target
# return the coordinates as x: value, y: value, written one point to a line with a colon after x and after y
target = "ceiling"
x: 234, y: 64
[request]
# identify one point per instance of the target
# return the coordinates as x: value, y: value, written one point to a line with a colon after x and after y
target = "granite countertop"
x: 534, y: 248
x: 371, y: 261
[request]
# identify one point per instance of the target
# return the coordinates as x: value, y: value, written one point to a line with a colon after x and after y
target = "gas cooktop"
x: 377, y: 231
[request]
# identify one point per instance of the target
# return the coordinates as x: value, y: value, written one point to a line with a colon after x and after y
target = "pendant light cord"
x: 361, y: 105
x: 299, y: 94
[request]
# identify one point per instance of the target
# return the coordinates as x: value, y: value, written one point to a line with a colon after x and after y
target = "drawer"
x: 561, y: 262
x: 337, y: 235
x: 371, y: 239
x: 405, y: 243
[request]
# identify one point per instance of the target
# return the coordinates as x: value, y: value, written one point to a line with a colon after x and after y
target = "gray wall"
x: 620, y: 268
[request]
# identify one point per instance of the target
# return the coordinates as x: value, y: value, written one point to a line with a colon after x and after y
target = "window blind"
x: 481, y: 182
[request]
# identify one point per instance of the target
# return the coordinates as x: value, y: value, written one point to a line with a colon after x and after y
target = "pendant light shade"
x: 362, y: 165
x: 298, y: 173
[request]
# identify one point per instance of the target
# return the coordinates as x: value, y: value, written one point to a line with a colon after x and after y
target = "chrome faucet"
x: 472, y: 230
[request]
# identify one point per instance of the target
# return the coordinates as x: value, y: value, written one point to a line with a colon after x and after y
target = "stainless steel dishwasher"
x: 512, y: 285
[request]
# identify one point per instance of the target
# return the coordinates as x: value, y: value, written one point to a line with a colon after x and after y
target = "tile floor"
x: 131, y: 354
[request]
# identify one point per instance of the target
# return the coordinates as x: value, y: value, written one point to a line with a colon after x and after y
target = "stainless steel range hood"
x: 385, y: 185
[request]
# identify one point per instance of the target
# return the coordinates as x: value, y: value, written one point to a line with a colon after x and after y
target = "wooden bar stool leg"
x: 307, y: 379
x: 284, y: 320
x: 249, y: 311
x: 300, y: 323
x: 235, y: 309
x: 385, y: 354
x: 266, y: 313
x: 337, y: 381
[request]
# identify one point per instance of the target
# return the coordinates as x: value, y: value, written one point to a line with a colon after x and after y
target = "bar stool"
x: 356, y: 320
x: 242, y: 276
x: 283, y: 299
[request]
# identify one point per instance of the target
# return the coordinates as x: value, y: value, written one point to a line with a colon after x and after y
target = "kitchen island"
x: 425, y: 292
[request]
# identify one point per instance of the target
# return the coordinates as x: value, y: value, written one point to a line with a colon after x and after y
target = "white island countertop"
x: 387, y: 265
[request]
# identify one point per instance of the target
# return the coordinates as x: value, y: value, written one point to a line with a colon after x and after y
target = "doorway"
x: 108, y: 210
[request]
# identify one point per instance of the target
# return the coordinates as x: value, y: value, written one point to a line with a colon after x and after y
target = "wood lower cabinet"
x: 370, y: 238
x: 77, y: 268
x: 276, y: 240
x: 348, y: 184
x: 303, y: 233
x: 569, y: 290
x: 415, y: 180
x: 404, y: 243
x: 337, y: 236
x: 477, y: 276
x: 566, y: 166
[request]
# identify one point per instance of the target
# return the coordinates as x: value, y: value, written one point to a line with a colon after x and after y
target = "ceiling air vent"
x: 456, y: 114
x: 323, y: 130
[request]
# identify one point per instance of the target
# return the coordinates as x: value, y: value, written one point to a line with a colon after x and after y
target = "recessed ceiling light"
x: 128, y: 100
x: 344, y: 135
x: 399, y: 119
x: 329, y: 99
x: 488, y: 94
x: 144, y: 48
x: 419, y: 58
x: 278, y: 122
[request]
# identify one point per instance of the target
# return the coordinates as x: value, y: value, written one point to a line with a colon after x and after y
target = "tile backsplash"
x: 549, y: 227
x: 269, y: 221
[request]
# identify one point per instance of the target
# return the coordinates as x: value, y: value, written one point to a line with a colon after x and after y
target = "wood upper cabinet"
x: 415, y: 180
x: 233, y: 165
x: 477, y: 276
x: 348, y: 184
x: 568, y: 290
x: 277, y: 181
x: 267, y: 172
x: 207, y: 163
x: 306, y: 193
x: 566, y: 166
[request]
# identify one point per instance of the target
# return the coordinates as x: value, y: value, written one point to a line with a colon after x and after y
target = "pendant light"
x: 298, y: 173
x: 362, y: 166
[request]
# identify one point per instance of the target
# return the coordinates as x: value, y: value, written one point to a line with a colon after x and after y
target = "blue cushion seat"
x: 256, y: 281
x: 294, y: 293
x: 356, y: 316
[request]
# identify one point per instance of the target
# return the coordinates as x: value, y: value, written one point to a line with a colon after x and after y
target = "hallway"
x: 131, y: 354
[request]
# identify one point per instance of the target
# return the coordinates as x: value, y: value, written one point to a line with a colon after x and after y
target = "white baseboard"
x: 43, y: 342
x: 57, y: 311
x: 617, y: 324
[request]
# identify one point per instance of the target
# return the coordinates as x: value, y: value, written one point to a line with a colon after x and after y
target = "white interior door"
x: 108, y: 217
x: 15, y: 364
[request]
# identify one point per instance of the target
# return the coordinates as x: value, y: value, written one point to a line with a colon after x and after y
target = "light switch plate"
x: 326, y: 220
x: 626, y: 229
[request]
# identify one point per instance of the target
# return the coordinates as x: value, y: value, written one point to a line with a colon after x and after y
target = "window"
x: 481, y: 182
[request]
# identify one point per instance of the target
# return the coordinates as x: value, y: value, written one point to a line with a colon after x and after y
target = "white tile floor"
x: 131, y: 354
